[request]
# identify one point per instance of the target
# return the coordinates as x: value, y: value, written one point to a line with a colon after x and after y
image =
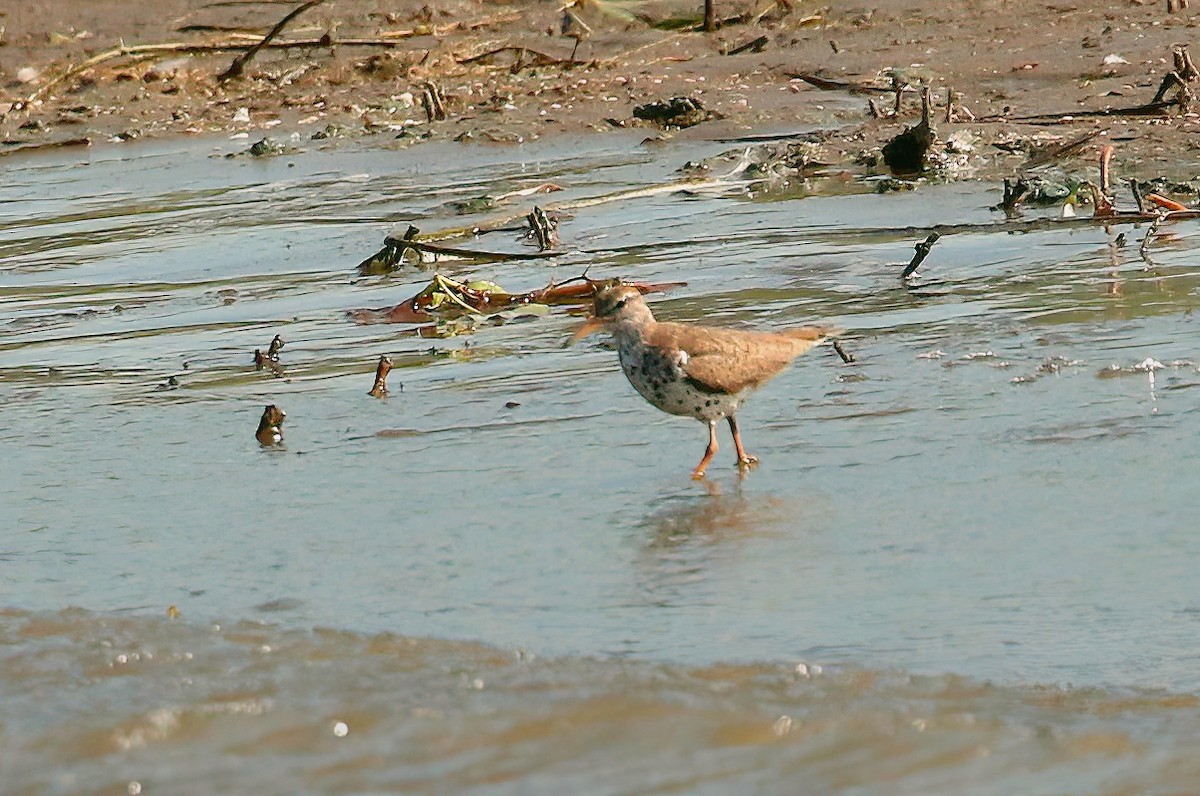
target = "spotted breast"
x: 661, y: 379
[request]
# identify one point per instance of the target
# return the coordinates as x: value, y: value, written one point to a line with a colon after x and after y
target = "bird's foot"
x: 746, y: 461
x: 698, y: 474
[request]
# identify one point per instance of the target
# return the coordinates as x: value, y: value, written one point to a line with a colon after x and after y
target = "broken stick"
x: 922, y: 249
x: 239, y: 63
x: 841, y: 352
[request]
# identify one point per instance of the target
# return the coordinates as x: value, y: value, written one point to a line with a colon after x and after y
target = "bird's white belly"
x: 662, y: 381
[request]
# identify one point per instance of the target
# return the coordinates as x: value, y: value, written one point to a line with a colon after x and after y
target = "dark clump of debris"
x: 678, y: 112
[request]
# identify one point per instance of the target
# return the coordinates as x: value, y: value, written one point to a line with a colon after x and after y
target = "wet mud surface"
x: 504, y: 73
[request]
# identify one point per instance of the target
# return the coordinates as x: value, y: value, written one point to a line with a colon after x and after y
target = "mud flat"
x: 1021, y: 75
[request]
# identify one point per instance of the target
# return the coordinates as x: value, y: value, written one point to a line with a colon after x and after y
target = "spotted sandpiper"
x: 694, y: 371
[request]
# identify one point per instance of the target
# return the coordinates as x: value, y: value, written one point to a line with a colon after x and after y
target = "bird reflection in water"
x: 686, y: 534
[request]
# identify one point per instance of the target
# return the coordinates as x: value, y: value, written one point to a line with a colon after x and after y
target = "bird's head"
x: 612, y: 302
x: 614, y: 299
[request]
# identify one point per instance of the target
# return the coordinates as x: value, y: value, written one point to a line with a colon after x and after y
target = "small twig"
x: 1048, y: 154
x: 1102, y: 206
x: 239, y: 63
x: 450, y: 289
x: 380, y: 390
x: 469, y: 254
x: 1137, y: 195
x: 436, y: 99
x: 1151, y: 231
x: 841, y: 352
x: 1149, y: 109
x: 150, y: 50
x: 1014, y: 190
x: 1161, y: 202
x: 552, y: 285
x: 754, y: 45
x: 922, y: 251
x: 538, y: 58
x: 542, y: 229
x: 574, y: 28
x: 1106, y: 154
x: 427, y: 103
x: 431, y: 99
x: 826, y: 84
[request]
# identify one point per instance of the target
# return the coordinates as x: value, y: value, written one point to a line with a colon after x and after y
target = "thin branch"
x: 922, y: 251
x: 239, y: 63
x: 146, y: 50
x: 1149, y: 109
x: 469, y: 254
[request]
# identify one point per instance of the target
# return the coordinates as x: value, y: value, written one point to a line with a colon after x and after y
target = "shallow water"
x: 981, y: 538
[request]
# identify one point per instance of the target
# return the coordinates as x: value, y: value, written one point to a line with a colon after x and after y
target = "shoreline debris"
x: 380, y: 389
x: 445, y: 298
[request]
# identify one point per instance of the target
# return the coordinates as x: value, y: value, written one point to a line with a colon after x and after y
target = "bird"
x: 691, y: 370
x: 270, y: 426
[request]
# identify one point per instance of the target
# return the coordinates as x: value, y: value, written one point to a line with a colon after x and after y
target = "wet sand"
x: 1017, y: 58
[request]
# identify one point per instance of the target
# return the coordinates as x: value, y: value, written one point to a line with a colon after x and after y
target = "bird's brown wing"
x: 730, y: 360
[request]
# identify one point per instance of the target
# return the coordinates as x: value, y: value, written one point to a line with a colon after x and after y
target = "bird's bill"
x: 588, y: 327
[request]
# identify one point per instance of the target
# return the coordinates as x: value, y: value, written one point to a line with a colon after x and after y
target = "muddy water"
x: 977, y: 542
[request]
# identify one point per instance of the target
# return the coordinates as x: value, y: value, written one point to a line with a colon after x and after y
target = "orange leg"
x: 743, y: 459
x: 709, y: 452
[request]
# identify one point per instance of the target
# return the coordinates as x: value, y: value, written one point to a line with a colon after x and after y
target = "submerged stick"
x: 922, y: 250
x: 841, y: 352
x: 380, y: 389
x: 1137, y: 195
x: 1144, y: 249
